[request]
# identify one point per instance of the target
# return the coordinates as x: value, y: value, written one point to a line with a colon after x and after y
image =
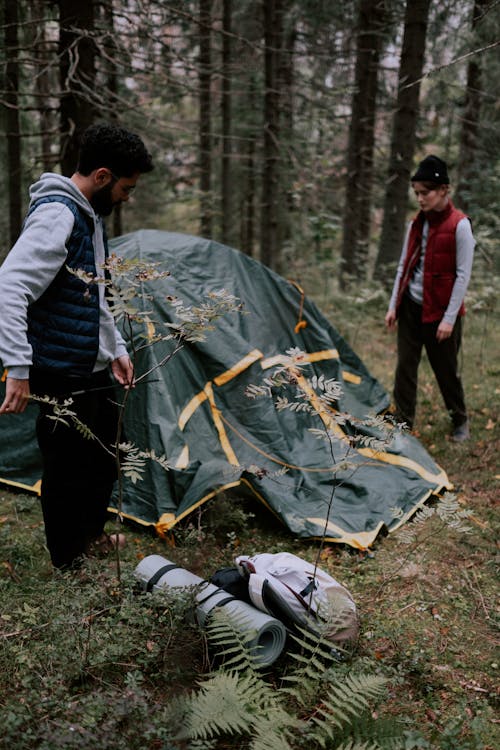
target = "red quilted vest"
x: 439, y: 263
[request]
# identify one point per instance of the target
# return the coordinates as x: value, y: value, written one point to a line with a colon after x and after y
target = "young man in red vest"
x: 428, y: 294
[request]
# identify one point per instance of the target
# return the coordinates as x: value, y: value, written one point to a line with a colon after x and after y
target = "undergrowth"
x: 87, y: 661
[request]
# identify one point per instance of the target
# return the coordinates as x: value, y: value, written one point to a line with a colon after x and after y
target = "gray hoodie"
x: 32, y: 265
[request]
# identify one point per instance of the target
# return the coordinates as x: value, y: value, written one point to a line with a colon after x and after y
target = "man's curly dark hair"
x: 121, y: 151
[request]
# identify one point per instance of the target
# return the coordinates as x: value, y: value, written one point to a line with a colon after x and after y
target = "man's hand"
x: 444, y: 331
x: 390, y: 320
x: 123, y: 370
x: 16, y: 396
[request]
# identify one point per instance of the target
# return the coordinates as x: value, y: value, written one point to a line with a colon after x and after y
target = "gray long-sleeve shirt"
x: 32, y: 265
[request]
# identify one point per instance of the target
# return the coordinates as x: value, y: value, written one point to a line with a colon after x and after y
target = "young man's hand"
x: 123, y: 370
x: 16, y: 396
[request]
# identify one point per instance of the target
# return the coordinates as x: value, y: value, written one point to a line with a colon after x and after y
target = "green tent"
x: 194, y: 410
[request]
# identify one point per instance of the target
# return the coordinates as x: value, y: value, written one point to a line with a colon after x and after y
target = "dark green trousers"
x: 78, y: 473
x: 413, y: 336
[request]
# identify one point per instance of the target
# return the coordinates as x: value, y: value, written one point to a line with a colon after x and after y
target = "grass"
x: 87, y: 662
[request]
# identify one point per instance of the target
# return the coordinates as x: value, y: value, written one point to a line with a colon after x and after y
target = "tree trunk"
x: 286, y: 87
x: 273, y: 17
x: 205, y: 77
x: 403, y: 136
x: 248, y: 207
x: 44, y: 84
x: 226, y: 122
x: 356, y: 219
x: 77, y: 72
x: 467, y: 168
x: 111, y: 93
x: 12, y: 119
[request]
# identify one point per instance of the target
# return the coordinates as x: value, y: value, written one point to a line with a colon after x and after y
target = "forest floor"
x: 83, y: 664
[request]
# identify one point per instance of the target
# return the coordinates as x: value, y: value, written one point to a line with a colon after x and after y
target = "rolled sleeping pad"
x: 264, y: 635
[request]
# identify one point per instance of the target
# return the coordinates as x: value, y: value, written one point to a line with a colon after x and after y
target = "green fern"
x: 276, y: 731
x: 345, y: 702
x: 356, y: 745
x: 312, y: 658
x: 225, y: 633
x: 312, y: 708
x: 228, y: 703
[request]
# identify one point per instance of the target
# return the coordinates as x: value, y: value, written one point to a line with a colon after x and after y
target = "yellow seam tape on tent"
x: 36, y: 488
x: 167, y: 521
x: 183, y: 460
x: 130, y: 517
x: 221, y: 379
x: 388, y: 458
x: 312, y: 357
x: 359, y: 539
x: 281, y: 359
x: 238, y: 368
x: 150, y: 329
x: 219, y: 426
x: 190, y: 409
x: 350, y: 377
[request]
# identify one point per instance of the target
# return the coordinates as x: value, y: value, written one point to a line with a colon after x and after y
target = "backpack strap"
x: 256, y: 585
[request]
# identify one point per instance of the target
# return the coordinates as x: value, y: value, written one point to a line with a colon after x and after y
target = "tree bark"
x: 273, y: 31
x: 77, y: 73
x: 44, y: 83
x: 403, y: 136
x: 286, y: 88
x: 467, y: 167
x: 12, y: 119
x: 357, y: 208
x: 111, y: 93
x: 248, y: 207
x: 226, y: 190
x: 205, y: 138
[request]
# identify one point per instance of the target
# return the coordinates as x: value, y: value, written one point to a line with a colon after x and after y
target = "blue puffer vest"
x: 63, y: 324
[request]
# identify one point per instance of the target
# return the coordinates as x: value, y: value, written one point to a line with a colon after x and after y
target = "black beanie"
x: 432, y: 169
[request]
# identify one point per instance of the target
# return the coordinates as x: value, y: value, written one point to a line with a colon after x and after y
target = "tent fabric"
x: 194, y: 409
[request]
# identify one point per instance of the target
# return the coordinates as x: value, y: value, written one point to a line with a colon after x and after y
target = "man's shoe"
x: 461, y: 433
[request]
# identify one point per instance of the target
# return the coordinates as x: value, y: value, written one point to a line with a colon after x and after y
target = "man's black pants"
x: 78, y: 472
x: 443, y: 358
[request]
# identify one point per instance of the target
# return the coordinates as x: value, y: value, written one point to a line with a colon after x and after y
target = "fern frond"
x: 230, y: 639
x: 315, y: 648
x: 346, y: 701
x: 219, y: 707
x: 276, y: 731
x: 228, y: 703
x: 356, y: 745
x: 202, y: 745
x: 312, y: 658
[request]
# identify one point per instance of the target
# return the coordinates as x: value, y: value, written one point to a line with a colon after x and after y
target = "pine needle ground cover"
x: 87, y: 662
